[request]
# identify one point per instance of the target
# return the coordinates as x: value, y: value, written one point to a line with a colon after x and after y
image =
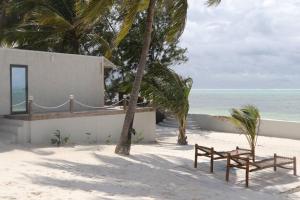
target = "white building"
x: 49, y: 79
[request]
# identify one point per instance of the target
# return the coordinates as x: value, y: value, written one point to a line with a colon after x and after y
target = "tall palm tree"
x: 247, y: 120
x: 55, y: 25
x: 169, y: 90
x: 178, y: 10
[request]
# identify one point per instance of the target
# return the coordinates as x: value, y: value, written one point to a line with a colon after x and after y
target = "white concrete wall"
x: 102, y: 128
x: 52, y: 77
x: 272, y: 128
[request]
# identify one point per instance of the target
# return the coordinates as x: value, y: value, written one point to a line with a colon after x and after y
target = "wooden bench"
x: 217, y: 155
x: 245, y: 163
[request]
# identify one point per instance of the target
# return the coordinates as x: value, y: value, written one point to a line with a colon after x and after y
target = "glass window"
x: 19, y: 85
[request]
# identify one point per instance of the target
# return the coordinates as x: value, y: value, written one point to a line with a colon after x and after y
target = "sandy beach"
x: 153, y: 171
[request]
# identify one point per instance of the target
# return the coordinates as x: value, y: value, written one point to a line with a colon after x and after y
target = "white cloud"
x: 243, y: 44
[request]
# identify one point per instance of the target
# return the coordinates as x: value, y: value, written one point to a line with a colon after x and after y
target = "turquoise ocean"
x: 278, y: 104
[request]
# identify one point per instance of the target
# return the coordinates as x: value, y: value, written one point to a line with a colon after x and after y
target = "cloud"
x: 243, y: 44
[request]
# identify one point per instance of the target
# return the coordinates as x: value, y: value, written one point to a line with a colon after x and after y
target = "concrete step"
x: 191, y: 123
x: 176, y: 125
x: 173, y: 119
x: 8, y: 138
x: 188, y: 127
x: 170, y: 121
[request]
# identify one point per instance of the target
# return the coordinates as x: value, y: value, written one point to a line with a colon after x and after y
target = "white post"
x: 71, y: 99
x: 30, y: 101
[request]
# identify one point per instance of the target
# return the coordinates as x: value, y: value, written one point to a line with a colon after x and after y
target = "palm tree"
x: 178, y: 10
x: 247, y: 120
x: 55, y: 25
x: 170, y: 91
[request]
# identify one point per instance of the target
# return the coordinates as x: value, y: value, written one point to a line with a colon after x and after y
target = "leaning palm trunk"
x: 182, y: 138
x: 124, y: 143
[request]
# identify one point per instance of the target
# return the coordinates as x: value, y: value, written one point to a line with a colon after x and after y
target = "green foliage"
x: 247, y: 120
x: 213, y: 2
x: 58, y: 139
x: 89, y: 138
x: 52, y: 25
x: 127, y: 55
x: 169, y: 90
x: 138, y: 137
x: 108, y: 140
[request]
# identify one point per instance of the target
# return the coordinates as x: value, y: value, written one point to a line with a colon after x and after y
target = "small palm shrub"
x: 58, y: 139
x: 168, y: 90
x: 247, y: 120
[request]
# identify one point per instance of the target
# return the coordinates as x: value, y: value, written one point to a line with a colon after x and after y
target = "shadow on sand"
x: 171, y: 178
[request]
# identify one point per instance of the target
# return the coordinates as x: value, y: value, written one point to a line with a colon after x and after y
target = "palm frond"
x: 247, y: 120
x: 130, y: 9
x: 213, y: 2
x: 95, y: 10
x: 178, y: 12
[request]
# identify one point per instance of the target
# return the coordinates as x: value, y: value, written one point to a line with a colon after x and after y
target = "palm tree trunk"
x: 182, y: 139
x: 253, y: 150
x: 3, y: 14
x: 123, y: 146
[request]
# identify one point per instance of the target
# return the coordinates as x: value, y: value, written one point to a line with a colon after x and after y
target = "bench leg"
x: 227, y: 167
x: 196, y: 156
x: 212, y: 160
x: 247, y: 173
x: 275, y: 162
x: 295, y: 166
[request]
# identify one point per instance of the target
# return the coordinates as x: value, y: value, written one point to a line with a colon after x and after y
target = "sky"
x: 243, y: 44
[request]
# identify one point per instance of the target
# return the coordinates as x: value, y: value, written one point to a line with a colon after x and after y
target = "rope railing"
x: 71, y: 102
x: 50, y: 107
x: 95, y: 107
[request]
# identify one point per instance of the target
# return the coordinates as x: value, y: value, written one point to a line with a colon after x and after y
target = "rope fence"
x: 51, y: 107
x: 71, y: 102
x: 94, y: 107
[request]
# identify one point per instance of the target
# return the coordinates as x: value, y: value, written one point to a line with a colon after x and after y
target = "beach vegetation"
x: 54, y: 25
x: 178, y: 14
x: 167, y: 89
x: 247, y: 120
x: 58, y: 139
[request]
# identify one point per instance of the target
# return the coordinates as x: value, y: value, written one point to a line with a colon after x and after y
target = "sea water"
x: 278, y: 104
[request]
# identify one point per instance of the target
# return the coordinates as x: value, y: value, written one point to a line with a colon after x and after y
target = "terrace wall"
x: 88, y: 129
x: 272, y: 128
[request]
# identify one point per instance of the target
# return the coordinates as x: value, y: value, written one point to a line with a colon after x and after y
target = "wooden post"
x: 212, y: 160
x: 71, y: 99
x: 275, y: 162
x: 247, y: 172
x: 228, y: 167
x: 124, y: 102
x: 253, y: 153
x: 30, y: 101
x: 196, y: 156
x: 295, y: 166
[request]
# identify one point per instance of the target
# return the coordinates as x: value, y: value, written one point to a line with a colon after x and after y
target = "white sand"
x: 159, y: 171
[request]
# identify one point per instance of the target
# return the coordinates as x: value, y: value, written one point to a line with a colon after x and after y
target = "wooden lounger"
x: 245, y: 163
x: 217, y: 155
